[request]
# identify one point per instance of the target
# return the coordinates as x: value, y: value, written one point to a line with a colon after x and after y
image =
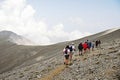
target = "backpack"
x: 71, y: 49
x: 80, y: 46
x: 66, y: 51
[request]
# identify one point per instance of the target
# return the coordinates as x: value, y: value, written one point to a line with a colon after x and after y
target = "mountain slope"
x: 13, y: 55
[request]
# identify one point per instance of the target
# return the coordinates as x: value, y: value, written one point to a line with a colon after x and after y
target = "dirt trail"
x: 53, y: 73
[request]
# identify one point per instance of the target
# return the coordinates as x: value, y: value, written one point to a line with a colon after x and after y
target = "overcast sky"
x: 52, y: 21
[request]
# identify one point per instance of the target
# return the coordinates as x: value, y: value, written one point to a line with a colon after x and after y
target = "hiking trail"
x: 53, y: 73
x: 60, y: 68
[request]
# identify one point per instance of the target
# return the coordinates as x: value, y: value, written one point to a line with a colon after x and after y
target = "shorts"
x: 72, y: 52
x: 85, y: 48
x: 66, y: 56
x: 80, y: 50
x: 88, y: 47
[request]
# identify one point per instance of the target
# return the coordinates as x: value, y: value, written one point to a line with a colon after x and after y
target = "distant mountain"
x: 14, y: 38
x: 13, y: 51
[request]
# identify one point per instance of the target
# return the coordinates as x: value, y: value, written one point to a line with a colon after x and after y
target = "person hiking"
x: 87, y: 41
x: 72, y: 50
x: 96, y: 43
x: 66, y: 53
x: 89, y: 45
x: 99, y: 43
x: 93, y: 45
x: 85, y: 46
x: 80, y: 48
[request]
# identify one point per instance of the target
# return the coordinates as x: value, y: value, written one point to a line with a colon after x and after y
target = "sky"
x: 51, y: 21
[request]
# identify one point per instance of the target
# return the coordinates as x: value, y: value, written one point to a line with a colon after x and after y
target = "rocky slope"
x: 35, y: 62
x: 101, y: 64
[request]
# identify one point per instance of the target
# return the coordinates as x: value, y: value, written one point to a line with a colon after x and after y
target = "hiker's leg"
x: 67, y: 59
x: 70, y: 56
x: 85, y: 50
x: 64, y: 59
x: 79, y: 52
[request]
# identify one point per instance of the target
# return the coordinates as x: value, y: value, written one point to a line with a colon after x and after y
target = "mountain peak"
x: 6, y: 33
x: 14, y: 38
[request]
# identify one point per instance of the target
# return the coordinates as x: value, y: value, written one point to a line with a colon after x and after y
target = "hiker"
x: 99, y: 43
x: 96, y: 43
x: 66, y: 53
x: 72, y: 50
x: 89, y: 45
x: 85, y: 46
x: 80, y: 48
x: 93, y: 45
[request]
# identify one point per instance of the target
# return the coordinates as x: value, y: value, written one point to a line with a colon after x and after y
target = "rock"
x: 84, y: 59
x: 38, y: 76
x: 97, y: 62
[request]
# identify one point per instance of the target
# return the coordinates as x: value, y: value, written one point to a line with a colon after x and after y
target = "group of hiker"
x: 87, y: 46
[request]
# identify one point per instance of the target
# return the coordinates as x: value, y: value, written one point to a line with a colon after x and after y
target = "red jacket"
x: 85, y: 45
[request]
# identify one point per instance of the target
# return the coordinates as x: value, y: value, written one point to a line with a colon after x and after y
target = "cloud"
x: 18, y: 16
